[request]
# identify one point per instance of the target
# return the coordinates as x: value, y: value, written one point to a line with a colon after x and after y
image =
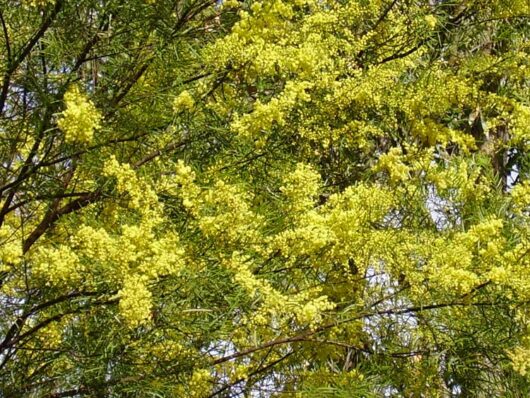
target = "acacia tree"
x: 85, y: 85
x: 331, y: 198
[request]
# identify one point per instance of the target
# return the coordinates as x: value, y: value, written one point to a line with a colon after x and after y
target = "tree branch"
x: 14, y: 64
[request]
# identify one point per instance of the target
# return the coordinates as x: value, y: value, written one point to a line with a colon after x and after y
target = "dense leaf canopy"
x: 313, y: 198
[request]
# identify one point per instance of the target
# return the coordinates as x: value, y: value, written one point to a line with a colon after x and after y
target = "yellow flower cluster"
x: 131, y: 251
x: 185, y: 178
x: 58, y: 265
x: 226, y: 213
x: 431, y: 21
x: 306, y: 307
x: 521, y: 197
x: 311, y: 312
x: 458, y: 262
x: 183, y: 102
x: 38, y: 3
x: 460, y: 180
x: 200, y: 384
x: 141, y: 195
x: 80, y: 117
x: 300, y: 188
x: 511, y: 8
x: 135, y: 301
x: 520, y: 357
x: 221, y: 211
x: 131, y: 258
x: 10, y: 247
x: 521, y: 125
x: 265, y: 116
x: 94, y: 243
x: 230, y: 3
x: 392, y: 163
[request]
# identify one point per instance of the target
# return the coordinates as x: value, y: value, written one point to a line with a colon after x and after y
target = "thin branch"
x: 45, y: 197
x: 253, y: 373
x: 54, y: 215
x: 130, y: 84
x: 82, y: 152
x: 304, y: 336
x: 273, y: 343
x: 17, y: 325
x: 400, y: 55
x: 91, y: 197
x: 158, y: 152
x: 6, y: 37
x: 14, y: 64
x: 385, y: 13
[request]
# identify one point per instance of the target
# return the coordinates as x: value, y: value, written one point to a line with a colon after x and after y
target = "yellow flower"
x: 183, y: 102
x: 431, y: 20
x: 135, y: 301
x: 37, y: 3
x: 80, y: 117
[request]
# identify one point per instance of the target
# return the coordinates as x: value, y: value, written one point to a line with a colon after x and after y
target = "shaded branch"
x: 26, y: 50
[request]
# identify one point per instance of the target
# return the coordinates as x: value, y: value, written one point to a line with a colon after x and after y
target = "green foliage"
x: 264, y: 198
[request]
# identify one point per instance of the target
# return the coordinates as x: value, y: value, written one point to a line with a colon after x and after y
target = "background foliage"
x: 280, y: 198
